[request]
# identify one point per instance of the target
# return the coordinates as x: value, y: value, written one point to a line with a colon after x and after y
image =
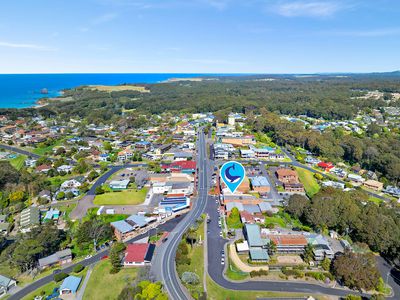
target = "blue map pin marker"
x: 232, y: 174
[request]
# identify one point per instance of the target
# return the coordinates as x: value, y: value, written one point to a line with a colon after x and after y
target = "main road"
x: 164, y: 263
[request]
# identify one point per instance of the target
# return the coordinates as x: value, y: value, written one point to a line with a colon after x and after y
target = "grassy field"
x: 127, y: 197
x: 307, y: 179
x: 43, y: 150
x: 18, y: 162
x: 105, y: 286
x: 118, y: 88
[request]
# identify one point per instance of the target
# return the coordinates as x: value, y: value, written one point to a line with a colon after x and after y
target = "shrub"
x: 78, y: 268
x: 316, y: 275
x: 60, y: 276
x: 190, y: 278
x: 260, y: 272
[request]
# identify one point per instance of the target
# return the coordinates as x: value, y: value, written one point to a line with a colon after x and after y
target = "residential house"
x: 161, y: 149
x: 4, y: 225
x: 43, y: 168
x: 326, y: 166
x: 30, y: 163
x: 247, y: 154
x: 51, y: 215
x: 334, y: 184
x: 355, y: 178
x: 142, y: 146
x: 373, y: 185
x: 65, y: 168
x: 71, y: 185
x: 125, y: 155
x: 321, y: 247
x: 6, y: 284
x: 59, y: 258
x: 138, y: 254
x: 286, y: 175
x: 70, y: 285
x: 295, y: 188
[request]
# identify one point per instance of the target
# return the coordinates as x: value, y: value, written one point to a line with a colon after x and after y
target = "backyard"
x: 307, y: 179
x: 18, y: 162
x: 105, y: 286
x: 126, y: 197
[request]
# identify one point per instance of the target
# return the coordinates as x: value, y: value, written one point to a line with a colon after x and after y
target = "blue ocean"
x: 23, y: 90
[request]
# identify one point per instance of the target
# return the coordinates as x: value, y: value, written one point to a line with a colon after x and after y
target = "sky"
x: 199, y: 36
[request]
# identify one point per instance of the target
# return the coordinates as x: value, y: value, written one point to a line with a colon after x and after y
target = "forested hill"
x: 327, y: 96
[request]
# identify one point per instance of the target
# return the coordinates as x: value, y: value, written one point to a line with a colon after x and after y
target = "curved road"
x: 87, y: 201
x: 169, y: 225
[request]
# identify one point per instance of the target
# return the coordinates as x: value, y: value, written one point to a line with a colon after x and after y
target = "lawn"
x: 48, y: 288
x: 276, y: 220
x: 18, y: 162
x: 127, y: 197
x: 43, y: 150
x: 375, y: 200
x: 233, y: 272
x: 307, y: 179
x: 105, y: 286
x: 67, y: 209
x: 197, y: 266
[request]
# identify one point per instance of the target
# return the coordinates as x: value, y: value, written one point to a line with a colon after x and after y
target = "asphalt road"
x: 168, y: 226
x: 215, y: 269
x: 164, y: 264
x: 20, y: 151
x: 87, y: 201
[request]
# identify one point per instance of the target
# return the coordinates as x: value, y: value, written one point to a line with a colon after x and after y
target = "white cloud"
x: 218, y: 4
x: 307, y: 8
x: 104, y: 18
x: 210, y: 61
x: 367, y: 33
x: 25, y: 46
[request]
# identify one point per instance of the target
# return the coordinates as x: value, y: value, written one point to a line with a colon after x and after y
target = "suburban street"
x: 20, y: 151
x: 168, y: 226
x: 163, y: 264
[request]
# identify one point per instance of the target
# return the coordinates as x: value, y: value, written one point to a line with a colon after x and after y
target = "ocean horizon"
x: 24, y: 90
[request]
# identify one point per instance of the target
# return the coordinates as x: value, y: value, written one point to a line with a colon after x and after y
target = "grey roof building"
x: 30, y: 217
x: 61, y: 257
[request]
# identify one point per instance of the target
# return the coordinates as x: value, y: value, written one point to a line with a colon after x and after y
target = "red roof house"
x: 138, y: 254
x: 327, y: 166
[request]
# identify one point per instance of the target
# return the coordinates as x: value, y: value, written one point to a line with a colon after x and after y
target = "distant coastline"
x: 25, y: 90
